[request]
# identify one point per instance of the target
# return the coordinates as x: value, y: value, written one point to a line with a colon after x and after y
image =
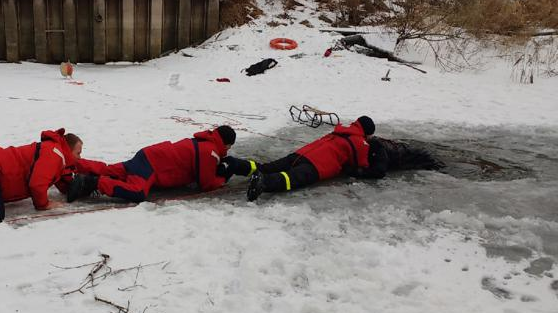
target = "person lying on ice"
x: 383, y: 156
x: 163, y: 165
x: 30, y: 170
x: 386, y: 155
x: 322, y: 159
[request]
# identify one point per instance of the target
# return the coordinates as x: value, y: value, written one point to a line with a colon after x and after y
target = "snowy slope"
x: 396, y: 246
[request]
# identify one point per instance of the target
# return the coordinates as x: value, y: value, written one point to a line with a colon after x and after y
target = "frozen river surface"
x: 501, y: 182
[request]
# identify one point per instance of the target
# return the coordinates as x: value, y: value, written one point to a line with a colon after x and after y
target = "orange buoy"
x: 283, y: 44
x: 66, y: 69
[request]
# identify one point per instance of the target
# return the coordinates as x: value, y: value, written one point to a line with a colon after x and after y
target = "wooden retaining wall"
x: 100, y: 31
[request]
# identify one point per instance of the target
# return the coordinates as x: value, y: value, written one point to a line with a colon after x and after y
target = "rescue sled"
x: 313, y: 117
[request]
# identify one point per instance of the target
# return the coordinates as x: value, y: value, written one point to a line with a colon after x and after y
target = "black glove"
x: 223, y: 171
x: 227, y: 167
x: 230, y: 163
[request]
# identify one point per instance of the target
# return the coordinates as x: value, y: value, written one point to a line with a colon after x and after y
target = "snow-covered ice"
x: 413, y: 242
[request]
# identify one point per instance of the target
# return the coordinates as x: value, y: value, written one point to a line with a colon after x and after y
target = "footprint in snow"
x: 489, y: 283
x: 174, y: 81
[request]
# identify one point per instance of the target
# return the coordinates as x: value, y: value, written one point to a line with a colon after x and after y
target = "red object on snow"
x: 283, y: 44
x: 329, y: 153
x: 55, y: 158
x: 327, y: 52
x: 75, y: 82
x: 223, y: 80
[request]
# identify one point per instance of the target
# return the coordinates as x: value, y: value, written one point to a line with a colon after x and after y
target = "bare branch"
x: 136, y: 267
x: 131, y: 287
x: 72, y: 267
x: 549, y: 33
x: 120, y: 308
x: 89, y: 280
x: 165, y: 266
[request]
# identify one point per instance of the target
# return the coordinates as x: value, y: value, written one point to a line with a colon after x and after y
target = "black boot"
x: 82, y: 186
x: 256, y: 186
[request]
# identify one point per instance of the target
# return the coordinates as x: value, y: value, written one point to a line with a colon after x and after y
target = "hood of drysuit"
x: 214, y: 137
x: 58, y: 137
x: 355, y: 129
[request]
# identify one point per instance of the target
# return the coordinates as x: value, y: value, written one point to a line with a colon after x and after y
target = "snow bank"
x: 214, y: 257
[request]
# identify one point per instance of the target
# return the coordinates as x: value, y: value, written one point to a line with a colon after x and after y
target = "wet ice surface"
x: 501, y: 182
x: 481, y: 236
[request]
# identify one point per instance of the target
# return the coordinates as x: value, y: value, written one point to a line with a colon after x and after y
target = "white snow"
x: 272, y: 257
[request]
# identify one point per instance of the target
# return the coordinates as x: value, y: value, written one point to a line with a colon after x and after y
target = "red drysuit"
x: 49, y: 163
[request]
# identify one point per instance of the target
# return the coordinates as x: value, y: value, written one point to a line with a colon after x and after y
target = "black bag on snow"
x: 260, y: 67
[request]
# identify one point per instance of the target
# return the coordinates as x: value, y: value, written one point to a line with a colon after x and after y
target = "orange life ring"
x: 283, y: 44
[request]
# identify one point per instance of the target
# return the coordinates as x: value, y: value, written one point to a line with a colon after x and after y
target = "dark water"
x: 503, y: 182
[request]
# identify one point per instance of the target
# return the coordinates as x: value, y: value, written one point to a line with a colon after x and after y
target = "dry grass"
x: 237, y: 12
x: 419, y: 19
x: 324, y: 18
x: 518, y: 19
x: 353, y: 12
x: 446, y: 27
x: 276, y: 24
x: 307, y: 24
x: 538, y: 58
x: 290, y: 4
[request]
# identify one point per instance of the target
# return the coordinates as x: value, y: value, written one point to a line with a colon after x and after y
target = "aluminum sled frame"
x: 312, y: 117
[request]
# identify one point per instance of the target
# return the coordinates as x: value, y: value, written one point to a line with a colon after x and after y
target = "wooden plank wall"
x: 212, y: 18
x: 84, y: 30
x: 70, y: 31
x: 113, y: 30
x: 156, y: 27
x: 10, y: 28
x: 2, y: 33
x: 197, y: 26
x: 141, y: 30
x: 55, y: 32
x: 184, y: 18
x: 26, y: 32
x: 169, y: 40
x: 100, y: 31
x: 39, y: 23
x: 128, y: 30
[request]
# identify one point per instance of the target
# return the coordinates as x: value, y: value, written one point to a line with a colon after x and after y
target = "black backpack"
x: 260, y: 67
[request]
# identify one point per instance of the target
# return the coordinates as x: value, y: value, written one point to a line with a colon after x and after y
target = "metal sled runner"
x: 312, y: 117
